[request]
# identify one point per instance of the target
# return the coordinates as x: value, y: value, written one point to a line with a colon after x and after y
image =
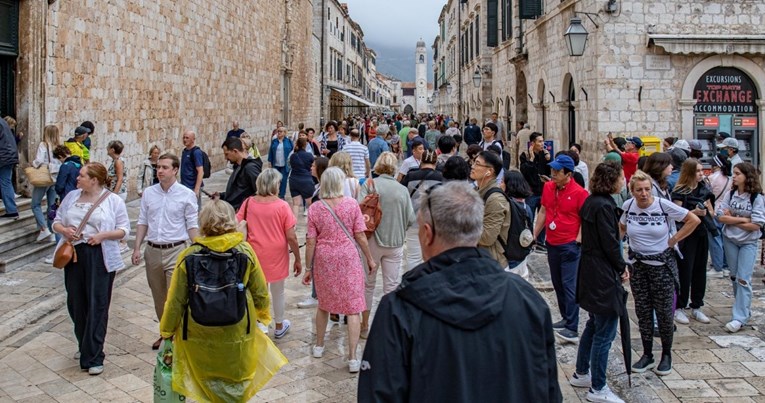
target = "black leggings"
x: 692, y: 269
x: 653, y: 288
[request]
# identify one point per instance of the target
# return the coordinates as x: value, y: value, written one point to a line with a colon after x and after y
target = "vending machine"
x: 743, y: 128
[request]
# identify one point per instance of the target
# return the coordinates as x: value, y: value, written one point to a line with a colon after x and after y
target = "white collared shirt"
x: 168, y: 215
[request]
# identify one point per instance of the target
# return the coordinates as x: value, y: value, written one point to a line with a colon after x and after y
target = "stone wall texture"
x: 143, y: 71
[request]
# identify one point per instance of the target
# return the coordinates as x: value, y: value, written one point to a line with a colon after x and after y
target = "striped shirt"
x: 359, y: 155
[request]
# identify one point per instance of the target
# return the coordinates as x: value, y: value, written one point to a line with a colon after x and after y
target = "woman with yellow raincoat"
x: 220, y: 363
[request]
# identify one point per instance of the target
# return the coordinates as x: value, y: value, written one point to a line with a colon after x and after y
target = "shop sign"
x: 725, y: 90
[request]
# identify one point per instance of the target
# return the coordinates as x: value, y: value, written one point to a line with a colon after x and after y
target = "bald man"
x: 191, y: 163
x: 235, y: 130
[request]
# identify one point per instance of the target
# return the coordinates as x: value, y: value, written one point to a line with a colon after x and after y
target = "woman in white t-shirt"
x: 653, y: 278
x: 351, y: 185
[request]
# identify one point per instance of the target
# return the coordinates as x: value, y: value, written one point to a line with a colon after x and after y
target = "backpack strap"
x: 185, y: 329
x: 427, y: 175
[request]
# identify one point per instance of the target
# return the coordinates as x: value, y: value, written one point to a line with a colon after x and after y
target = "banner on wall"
x: 725, y: 90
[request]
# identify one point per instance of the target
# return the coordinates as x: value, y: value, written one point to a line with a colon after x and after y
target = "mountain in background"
x: 398, y: 62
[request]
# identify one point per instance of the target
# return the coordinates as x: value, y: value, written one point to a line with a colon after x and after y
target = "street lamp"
x: 477, y: 78
x: 449, y: 89
x: 576, y: 37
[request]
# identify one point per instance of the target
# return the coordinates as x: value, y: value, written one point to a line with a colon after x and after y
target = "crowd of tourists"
x: 450, y: 227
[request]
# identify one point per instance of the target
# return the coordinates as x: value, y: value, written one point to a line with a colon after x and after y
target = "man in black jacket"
x: 459, y: 328
x: 472, y: 132
x: 241, y: 183
x: 536, y: 172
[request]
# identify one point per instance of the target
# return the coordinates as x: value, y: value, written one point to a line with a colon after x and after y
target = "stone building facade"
x: 650, y: 68
x: 144, y: 71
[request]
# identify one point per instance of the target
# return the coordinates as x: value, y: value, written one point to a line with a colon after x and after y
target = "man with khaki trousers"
x: 168, y: 219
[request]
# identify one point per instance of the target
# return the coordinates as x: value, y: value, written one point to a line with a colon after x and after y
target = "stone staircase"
x: 17, y: 238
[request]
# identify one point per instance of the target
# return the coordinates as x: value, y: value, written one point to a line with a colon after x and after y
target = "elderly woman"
x: 278, y: 154
x: 335, y: 232
x: 148, y: 175
x: 654, y: 279
x: 387, y: 244
x: 220, y: 363
x: 271, y: 233
x: 89, y: 278
x: 599, y: 290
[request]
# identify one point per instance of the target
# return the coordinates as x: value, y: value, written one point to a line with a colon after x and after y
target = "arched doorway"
x: 9, y: 51
x: 408, y: 110
x: 570, y: 121
x: 521, y: 98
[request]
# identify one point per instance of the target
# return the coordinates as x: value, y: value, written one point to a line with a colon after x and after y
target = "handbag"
x: 163, y: 375
x: 66, y: 253
x: 40, y: 176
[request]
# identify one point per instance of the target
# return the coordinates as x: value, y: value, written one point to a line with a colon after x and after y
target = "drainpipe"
x: 323, y: 101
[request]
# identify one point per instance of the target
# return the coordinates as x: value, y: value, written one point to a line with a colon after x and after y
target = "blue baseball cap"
x: 636, y: 141
x: 562, y: 162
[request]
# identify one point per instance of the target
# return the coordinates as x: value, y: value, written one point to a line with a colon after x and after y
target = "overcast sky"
x: 397, y: 23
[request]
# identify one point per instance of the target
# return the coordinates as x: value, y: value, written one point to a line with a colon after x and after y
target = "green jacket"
x: 397, y: 212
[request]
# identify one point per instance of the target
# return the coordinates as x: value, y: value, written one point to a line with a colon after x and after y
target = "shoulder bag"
x: 66, y: 253
x: 40, y: 177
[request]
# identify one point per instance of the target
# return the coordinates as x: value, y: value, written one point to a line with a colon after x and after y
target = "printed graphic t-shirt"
x: 648, y: 229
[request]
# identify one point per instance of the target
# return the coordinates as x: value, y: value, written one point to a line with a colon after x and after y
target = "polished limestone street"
x: 37, y: 345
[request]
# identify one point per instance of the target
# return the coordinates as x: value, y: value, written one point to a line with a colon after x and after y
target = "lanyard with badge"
x: 552, y: 225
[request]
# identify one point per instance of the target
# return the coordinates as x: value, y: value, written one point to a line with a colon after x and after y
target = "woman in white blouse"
x: 89, y: 280
x: 45, y: 157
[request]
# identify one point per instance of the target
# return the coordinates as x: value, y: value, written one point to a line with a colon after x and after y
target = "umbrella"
x: 624, y: 330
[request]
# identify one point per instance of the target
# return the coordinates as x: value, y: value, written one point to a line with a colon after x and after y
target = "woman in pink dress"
x: 330, y: 251
x: 270, y: 229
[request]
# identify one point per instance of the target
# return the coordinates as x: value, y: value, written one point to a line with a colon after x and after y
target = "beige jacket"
x: 496, y: 223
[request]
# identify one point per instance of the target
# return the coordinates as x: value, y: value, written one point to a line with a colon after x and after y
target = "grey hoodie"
x: 740, y: 206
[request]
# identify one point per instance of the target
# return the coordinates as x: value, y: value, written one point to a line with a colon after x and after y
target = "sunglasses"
x: 430, y: 211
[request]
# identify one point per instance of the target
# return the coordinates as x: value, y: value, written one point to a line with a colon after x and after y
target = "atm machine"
x: 743, y: 128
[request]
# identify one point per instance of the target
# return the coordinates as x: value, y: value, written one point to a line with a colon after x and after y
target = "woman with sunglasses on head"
x: 742, y: 213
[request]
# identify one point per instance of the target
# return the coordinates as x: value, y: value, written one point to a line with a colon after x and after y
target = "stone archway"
x: 408, y: 109
x: 568, y: 108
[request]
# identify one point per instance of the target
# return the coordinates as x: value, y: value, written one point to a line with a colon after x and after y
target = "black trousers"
x: 692, y: 269
x: 88, y: 295
x: 654, y: 290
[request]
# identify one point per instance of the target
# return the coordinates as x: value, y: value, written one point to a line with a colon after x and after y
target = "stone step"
x: 18, y: 236
x: 19, y: 257
x: 25, y: 218
x: 22, y: 203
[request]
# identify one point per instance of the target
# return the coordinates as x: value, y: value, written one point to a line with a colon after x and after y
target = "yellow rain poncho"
x: 223, y: 363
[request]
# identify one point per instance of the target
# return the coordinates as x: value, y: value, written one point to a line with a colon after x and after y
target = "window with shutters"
x: 470, y: 41
x: 477, y: 37
x: 9, y: 50
x: 491, y: 23
x: 507, y: 20
x: 530, y: 9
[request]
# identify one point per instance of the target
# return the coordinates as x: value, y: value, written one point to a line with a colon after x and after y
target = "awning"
x: 709, y: 44
x: 354, y: 97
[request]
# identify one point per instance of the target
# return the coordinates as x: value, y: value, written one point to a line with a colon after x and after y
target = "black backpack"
x: 217, y: 293
x: 519, y: 221
x: 752, y: 198
x: 206, y: 166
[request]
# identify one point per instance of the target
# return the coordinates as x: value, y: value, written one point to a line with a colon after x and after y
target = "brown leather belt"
x: 165, y: 245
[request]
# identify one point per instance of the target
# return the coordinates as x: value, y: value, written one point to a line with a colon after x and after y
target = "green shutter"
x: 530, y: 9
x: 9, y: 27
x: 492, y: 23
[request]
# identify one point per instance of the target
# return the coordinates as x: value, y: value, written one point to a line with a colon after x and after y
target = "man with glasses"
x: 562, y: 198
x: 496, y: 213
x: 460, y: 306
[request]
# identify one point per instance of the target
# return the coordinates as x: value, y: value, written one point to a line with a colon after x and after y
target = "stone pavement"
x: 37, y: 345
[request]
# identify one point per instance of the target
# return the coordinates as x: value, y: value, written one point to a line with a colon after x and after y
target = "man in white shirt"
x: 359, y: 155
x: 413, y: 162
x: 167, y: 220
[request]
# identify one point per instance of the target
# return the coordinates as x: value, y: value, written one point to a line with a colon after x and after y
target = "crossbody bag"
x: 66, y: 252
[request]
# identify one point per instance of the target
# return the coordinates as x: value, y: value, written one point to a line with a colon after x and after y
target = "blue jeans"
x: 564, y: 263
x: 716, y: 251
x: 741, y: 264
x: 285, y: 178
x: 534, y: 202
x: 599, y: 332
x: 37, y: 196
x: 9, y: 196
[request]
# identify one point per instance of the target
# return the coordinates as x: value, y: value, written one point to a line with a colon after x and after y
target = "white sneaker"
x: 263, y: 328
x: 733, y: 326
x: 604, y: 395
x: 309, y: 302
x: 726, y: 273
x: 318, y: 351
x: 279, y: 333
x: 48, y: 260
x: 97, y: 370
x: 681, y: 317
x: 581, y: 381
x: 16, y: 195
x: 712, y: 273
x: 699, y: 316
x: 354, y: 366
x: 43, y: 235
